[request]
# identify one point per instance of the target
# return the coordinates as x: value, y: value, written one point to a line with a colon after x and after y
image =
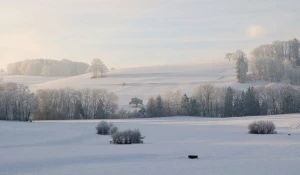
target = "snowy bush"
x: 262, y: 127
x: 127, y: 137
x: 103, y: 128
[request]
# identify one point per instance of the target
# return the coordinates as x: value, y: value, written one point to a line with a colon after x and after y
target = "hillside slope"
x: 143, y: 82
x: 27, y: 80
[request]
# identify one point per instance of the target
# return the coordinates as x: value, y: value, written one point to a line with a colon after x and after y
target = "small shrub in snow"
x: 103, y: 128
x: 127, y: 137
x: 262, y: 127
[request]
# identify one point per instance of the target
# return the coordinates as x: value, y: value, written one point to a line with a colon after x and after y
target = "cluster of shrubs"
x: 104, y: 128
x: 262, y: 127
x: 127, y: 137
x: 119, y: 137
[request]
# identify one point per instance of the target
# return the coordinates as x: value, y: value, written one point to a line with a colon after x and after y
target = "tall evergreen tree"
x: 159, y: 106
x: 288, y: 104
x: 100, y: 111
x: 228, y: 111
x: 79, y: 111
x: 251, y: 103
x: 151, y: 107
x: 264, y: 108
x: 238, y: 105
x: 185, y: 104
x: 241, y: 64
x: 194, y: 107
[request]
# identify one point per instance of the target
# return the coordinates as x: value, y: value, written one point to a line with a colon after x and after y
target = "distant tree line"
x: 211, y: 101
x: 47, y: 68
x: 279, y: 61
x: 18, y: 103
x: 69, y: 104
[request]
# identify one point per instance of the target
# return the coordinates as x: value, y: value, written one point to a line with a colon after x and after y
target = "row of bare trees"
x: 212, y: 101
x: 68, y: 104
x: 16, y: 102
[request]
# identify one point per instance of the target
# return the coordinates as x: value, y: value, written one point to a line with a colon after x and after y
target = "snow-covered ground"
x: 143, y: 82
x: 223, y: 146
x: 27, y: 80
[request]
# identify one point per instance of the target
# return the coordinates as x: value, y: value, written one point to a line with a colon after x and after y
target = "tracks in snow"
x: 296, y: 126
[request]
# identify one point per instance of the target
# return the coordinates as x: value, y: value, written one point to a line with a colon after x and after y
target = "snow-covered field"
x: 143, y: 82
x: 223, y: 146
x: 27, y: 80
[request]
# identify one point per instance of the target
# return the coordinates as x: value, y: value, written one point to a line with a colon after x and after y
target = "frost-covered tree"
x: 241, y: 64
x: 277, y: 61
x: 17, y: 102
x: 136, y: 101
x: 98, y: 67
x: 204, y: 94
x: 172, y: 102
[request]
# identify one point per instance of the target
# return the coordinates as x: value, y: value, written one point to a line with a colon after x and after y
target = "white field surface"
x: 143, y: 82
x: 27, y: 80
x: 223, y: 146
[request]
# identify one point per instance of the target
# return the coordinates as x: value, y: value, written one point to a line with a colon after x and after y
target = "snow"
x: 223, y: 146
x: 143, y: 82
x: 27, y: 80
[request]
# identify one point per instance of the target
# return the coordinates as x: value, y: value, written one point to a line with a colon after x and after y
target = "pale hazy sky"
x: 126, y: 33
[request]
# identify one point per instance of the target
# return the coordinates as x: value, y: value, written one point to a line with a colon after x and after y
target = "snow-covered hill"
x: 143, y: 82
x: 27, y: 80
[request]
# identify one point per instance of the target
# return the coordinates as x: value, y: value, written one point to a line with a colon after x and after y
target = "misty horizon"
x: 133, y: 33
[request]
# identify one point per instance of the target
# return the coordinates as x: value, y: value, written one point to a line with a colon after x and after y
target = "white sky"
x: 125, y: 33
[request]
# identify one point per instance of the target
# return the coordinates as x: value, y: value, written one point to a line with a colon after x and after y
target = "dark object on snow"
x: 29, y: 120
x: 289, y: 134
x: 193, y: 157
